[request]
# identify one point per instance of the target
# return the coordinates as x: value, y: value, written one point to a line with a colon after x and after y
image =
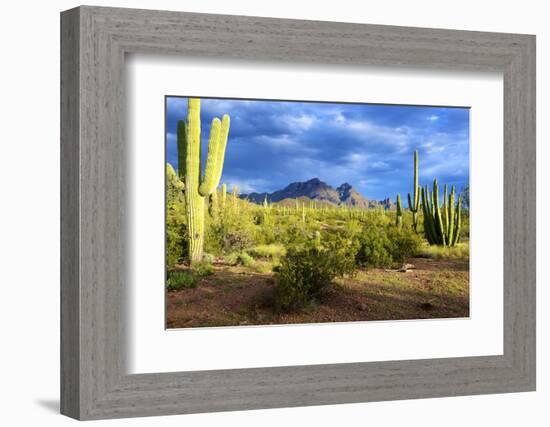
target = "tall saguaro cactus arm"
x: 193, y: 146
x: 208, y: 183
x: 224, y: 133
x: 414, y: 201
x: 182, y: 149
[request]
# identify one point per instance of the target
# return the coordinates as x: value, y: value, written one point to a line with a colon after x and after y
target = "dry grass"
x: 460, y: 251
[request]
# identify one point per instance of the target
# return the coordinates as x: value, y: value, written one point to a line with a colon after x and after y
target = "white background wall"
x: 29, y: 212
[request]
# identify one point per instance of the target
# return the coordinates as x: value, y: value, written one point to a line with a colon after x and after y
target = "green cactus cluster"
x: 199, y: 186
x: 442, y: 223
x: 414, y: 201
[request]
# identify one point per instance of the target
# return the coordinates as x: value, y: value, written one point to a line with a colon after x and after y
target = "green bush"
x: 305, y: 272
x: 208, y: 258
x: 176, y: 235
x: 272, y: 251
x: 202, y: 269
x: 404, y: 243
x: 375, y: 247
x: 385, y: 245
x: 239, y: 258
x: 179, y: 280
x: 237, y: 240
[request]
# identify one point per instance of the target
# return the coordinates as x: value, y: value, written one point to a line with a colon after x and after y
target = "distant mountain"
x: 320, y: 191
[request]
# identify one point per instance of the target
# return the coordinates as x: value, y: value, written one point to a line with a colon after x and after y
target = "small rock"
x: 426, y: 306
x: 362, y: 306
x: 405, y: 268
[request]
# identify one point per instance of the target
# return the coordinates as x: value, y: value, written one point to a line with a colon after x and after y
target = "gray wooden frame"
x: 94, y: 41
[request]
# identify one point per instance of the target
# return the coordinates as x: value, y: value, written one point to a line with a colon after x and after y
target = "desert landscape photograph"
x: 293, y: 212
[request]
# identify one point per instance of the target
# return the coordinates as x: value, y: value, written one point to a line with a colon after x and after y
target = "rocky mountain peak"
x: 315, y: 189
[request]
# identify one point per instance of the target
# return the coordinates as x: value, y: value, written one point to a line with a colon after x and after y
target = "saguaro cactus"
x: 234, y: 198
x: 399, y: 213
x: 196, y: 190
x: 441, y: 223
x: 182, y: 149
x: 414, y: 201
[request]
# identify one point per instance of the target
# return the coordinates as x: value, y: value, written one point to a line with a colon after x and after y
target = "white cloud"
x: 379, y: 165
x: 339, y: 118
x: 244, y: 186
x: 366, y: 131
x: 369, y: 181
x: 356, y: 158
x: 433, y: 118
x: 301, y: 123
x: 277, y: 141
x: 432, y: 147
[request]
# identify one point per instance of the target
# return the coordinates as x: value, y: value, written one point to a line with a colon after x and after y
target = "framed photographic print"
x: 262, y: 213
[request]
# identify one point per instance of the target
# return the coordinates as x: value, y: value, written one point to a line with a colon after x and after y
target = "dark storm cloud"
x: 274, y: 143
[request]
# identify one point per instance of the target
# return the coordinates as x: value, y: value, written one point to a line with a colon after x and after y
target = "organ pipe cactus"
x: 441, y: 223
x: 199, y: 186
x: 399, y: 213
x: 414, y: 201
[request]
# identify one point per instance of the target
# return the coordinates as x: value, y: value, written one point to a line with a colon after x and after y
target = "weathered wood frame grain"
x: 94, y: 41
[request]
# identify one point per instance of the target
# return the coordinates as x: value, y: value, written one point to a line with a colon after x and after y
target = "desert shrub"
x: 245, y: 259
x: 239, y: 258
x: 306, y: 272
x: 292, y: 232
x: 202, y: 269
x: 214, y: 237
x: 237, y: 240
x: 179, y: 280
x: 375, y: 247
x: 176, y: 234
x: 404, y: 243
x: 174, y: 186
x: 273, y: 251
x: 232, y: 258
x: 208, y: 258
x: 174, y: 252
x: 385, y: 245
x: 263, y: 267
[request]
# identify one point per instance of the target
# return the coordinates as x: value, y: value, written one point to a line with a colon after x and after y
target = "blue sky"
x: 370, y: 146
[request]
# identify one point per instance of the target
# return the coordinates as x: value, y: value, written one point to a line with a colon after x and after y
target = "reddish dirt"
x: 236, y: 296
